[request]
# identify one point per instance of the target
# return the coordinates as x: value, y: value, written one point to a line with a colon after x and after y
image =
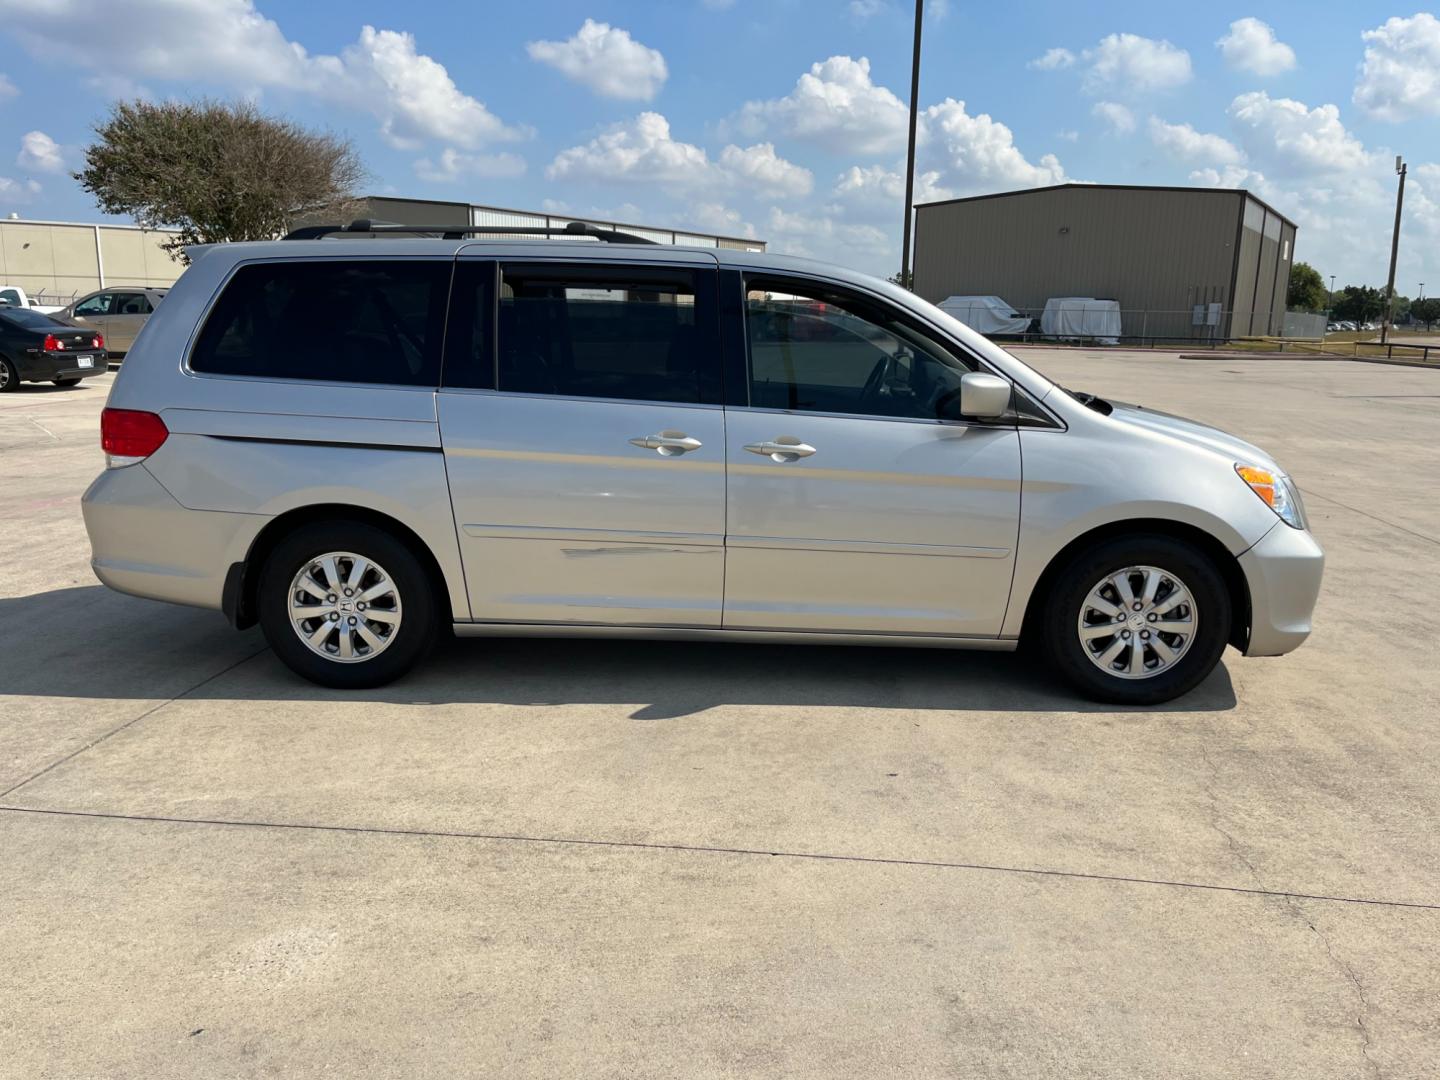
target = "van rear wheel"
x: 1137, y: 620
x: 346, y: 605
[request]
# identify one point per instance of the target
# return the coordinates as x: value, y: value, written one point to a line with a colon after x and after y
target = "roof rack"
x: 457, y: 232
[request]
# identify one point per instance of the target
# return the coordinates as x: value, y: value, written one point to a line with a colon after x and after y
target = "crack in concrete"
x: 1366, y: 1042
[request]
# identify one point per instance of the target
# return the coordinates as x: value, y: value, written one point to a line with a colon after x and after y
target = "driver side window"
x: 812, y: 349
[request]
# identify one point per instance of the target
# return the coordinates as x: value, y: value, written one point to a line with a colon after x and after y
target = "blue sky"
x: 782, y: 119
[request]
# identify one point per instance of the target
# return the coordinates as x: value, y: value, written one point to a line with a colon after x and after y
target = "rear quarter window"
x: 377, y: 322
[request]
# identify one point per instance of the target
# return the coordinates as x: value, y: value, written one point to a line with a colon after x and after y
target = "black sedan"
x: 36, y: 348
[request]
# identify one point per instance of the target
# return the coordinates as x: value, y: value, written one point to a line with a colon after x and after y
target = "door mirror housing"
x: 983, y: 396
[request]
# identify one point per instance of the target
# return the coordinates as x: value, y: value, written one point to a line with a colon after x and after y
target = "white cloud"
x: 1231, y: 176
x: 718, y: 218
x: 865, y: 9
x: 828, y: 236
x: 937, y: 9
x: 879, y: 190
x: 1053, y: 59
x: 1400, y: 75
x: 978, y: 153
x: 836, y: 105
x: 40, y: 153
x: 1294, y: 139
x: 1120, y: 119
x: 607, y: 60
x: 1136, y: 64
x: 453, y: 166
x: 643, y: 151
x: 229, y: 44
x: 18, y: 191
x: 765, y: 171
x: 8, y: 89
x: 1251, y: 46
x: 1185, y: 143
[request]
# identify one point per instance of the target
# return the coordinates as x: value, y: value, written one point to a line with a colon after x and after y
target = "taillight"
x: 128, y: 435
x: 53, y: 344
x: 98, y: 341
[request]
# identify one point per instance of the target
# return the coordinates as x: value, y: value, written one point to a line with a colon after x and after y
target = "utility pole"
x: 906, y: 278
x: 1394, y: 251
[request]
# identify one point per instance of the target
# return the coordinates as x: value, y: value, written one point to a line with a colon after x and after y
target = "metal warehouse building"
x: 56, y: 261
x: 1181, y: 262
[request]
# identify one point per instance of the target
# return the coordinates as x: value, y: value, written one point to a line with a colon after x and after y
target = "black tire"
x: 72, y: 381
x: 1059, y: 632
x: 413, y: 636
x: 9, y: 377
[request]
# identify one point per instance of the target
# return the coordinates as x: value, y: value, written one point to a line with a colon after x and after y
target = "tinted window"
x: 131, y: 304
x: 341, y: 321
x: 815, y: 350
x: 470, y: 334
x: 644, y: 334
x: 10, y: 296
x: 96, y: 305
x: 31, y: 320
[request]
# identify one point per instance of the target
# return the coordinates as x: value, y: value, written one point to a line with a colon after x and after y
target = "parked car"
x: 118, y: 313
x: 16, y: 296
x: 35, y: 347
x: 576, y: 438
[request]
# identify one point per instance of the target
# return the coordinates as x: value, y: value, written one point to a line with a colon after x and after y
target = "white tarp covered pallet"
x: 1082, y: 317
x: 986, y: 314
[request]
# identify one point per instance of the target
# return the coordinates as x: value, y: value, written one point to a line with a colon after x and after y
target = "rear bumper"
x: 144, y: 543
x: 43, y: 366
x: 1283, y: 571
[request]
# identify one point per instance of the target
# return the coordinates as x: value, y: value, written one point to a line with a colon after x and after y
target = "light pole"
x: 1394, y: 251
x: 905, y: 277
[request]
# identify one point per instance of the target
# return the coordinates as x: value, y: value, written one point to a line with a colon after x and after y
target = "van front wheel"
x: 346, y: 605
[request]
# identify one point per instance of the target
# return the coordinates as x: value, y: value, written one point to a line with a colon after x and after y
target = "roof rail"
x: 457, y: 232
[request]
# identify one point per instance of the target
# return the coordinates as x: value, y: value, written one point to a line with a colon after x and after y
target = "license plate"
x: 85, y: 361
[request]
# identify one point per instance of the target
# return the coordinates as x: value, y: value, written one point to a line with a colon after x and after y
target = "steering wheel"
x: 871, y: 390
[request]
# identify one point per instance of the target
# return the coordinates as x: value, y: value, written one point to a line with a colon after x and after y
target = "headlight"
x: 1276, y: 491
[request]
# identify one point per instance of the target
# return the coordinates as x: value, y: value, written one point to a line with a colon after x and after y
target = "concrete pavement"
x: 655, y: 859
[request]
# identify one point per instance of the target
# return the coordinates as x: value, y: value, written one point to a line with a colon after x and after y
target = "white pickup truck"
x: 15, y: 296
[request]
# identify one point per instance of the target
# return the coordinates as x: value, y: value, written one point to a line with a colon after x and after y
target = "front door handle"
x: 785, y: 448
x: 667, y: 443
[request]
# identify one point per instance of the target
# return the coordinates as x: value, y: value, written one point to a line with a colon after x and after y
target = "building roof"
x: 1113, y: 187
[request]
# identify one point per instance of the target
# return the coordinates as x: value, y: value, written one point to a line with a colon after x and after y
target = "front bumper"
x: 144, y: 543
x: 1283, y: 572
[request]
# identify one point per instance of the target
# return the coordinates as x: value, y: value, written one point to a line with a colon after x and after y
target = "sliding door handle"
x: 785, y: 448
x: 667, y: 443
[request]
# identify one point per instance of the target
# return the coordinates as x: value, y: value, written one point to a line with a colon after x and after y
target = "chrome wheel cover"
x: 1137, y: 622
x: 4, y: 376
x: 344, y: 607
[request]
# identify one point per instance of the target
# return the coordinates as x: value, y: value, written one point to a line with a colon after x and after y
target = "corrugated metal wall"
x: 1155, y: 251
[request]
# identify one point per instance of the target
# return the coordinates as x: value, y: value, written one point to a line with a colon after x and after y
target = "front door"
x: 93, y: 313
x: 586, y: 450
x: 127, y: 316
x: 859, y: 499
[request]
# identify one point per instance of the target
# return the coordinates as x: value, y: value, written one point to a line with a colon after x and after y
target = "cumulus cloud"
x: 643, y: 151
x: 453, y: 166
x: 766, y: 172
x: 875, y: 187
x: 228, y: 43
x: 1293, y: 138
x: 18, y: 191
x: 1136, y: 64
x: 978, y: 153
x: 835, y: 105
x: 607, y: 60
x: 1120, y: 120
x: 1185, y: 143
x: 8, y: 89
x: 1052, y: 60
x: 40, y: 153
x: 1251, y: 46
x: 826, y: 236
x: 1400, y: 75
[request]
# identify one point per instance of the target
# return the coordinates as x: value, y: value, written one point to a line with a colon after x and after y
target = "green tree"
x: 901, y: 278
x: 1426, y: 311
x: 1359, y: 304
x: 216, y: 171
x: 1306, y: 291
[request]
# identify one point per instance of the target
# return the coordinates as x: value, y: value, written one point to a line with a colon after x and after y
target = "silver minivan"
x: 360, y: 443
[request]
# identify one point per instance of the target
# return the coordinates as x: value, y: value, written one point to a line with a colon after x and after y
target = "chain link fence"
x: 1202, y: 326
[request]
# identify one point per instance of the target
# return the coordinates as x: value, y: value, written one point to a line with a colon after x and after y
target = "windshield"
x: 31, y: 320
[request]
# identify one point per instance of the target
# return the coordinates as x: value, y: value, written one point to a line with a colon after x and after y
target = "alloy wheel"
x: 1137, y: 622
x: 345, y: 607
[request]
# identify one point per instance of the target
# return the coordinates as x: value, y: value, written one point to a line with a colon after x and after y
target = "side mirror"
x: 983, y: 396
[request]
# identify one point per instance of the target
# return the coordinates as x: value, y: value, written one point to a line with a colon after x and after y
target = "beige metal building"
x: 1182, y: 262
x: 436, y: 212
x: 56, y: 261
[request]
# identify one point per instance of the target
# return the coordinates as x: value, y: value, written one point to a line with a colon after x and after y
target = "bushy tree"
x: 1306, y: 291
x: 1359, y: 304
x: 1426, y: 311
x: 215, y: 171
